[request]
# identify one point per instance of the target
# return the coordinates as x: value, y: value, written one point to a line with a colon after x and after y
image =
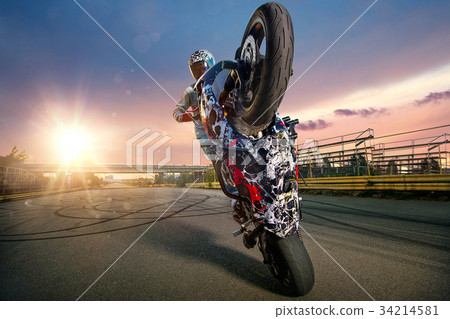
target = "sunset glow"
x: 72, y: 145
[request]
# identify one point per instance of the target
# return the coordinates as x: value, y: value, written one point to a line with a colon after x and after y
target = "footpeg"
x: 240, y: 231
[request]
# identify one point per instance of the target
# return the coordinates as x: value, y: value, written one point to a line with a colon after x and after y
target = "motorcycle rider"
x: 199, y: 62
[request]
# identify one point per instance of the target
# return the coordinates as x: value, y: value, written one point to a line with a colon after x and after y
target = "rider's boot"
x: 238, y: 211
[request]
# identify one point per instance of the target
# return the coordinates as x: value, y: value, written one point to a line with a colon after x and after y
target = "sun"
x: 72, y: 145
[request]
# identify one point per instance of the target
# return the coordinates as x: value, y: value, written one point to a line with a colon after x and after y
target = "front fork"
x: 250, y: 236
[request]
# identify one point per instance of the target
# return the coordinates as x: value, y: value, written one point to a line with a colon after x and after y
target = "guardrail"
x: 377, y: 183
x: 204, y: 185
x: 395, y: 182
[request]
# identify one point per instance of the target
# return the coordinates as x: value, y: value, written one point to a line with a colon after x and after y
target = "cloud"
x: 344, y: 112
x: 313, y: 125
x: 433, y: 97
x: 361, y: 112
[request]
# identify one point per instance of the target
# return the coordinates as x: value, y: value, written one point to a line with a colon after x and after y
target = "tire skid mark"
x: 98, y: 232
x: 124, y: 214
x: 200, y: 215
x: 169, y: 200
x: 186, y: 211
x: 25, y: 221
x: 19, y: 224
x: 58, y: 213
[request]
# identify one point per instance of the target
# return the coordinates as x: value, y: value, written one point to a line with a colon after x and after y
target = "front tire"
x: 290, y: 263
x: 267, y: 47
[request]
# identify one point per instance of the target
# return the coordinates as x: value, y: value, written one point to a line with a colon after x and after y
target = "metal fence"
x: 364, y: 154
x: 15, y: 180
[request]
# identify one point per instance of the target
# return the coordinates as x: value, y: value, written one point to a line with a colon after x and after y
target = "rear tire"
x: 270, y: 67
x: 291, y: 263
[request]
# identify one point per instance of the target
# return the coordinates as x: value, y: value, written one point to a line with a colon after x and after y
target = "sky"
x: 60, y: 72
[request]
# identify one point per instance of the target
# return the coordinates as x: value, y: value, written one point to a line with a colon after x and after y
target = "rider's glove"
x: 186, y: 117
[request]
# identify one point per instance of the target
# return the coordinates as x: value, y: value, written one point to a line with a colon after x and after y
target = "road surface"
x: 57, y: 247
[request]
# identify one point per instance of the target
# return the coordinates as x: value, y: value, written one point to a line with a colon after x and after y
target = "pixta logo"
x: 143, y: 146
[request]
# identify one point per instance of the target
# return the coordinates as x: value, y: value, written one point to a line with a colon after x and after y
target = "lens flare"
x: 72, y: 145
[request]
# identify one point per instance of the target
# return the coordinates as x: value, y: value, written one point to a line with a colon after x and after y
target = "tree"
x: 171, y: 179
x: 185, y: 178
x: 14, y: 158
x: 362, y: 161
x: 181, y: 182
x: 392, y: 167
x: 211, y: 177
x: 326, y: 162
x: 352, y: 161
x: 430, y: 165
x: 159, y: 178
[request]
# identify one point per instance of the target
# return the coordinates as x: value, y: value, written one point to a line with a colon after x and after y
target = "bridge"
x: 28, y: 178
x: 113, y: 169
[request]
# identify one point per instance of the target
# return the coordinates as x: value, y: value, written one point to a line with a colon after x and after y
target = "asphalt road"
x: 56, y: 248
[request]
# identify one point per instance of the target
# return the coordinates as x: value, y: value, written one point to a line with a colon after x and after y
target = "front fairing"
x: 262, y: 168
x: 267, y: 175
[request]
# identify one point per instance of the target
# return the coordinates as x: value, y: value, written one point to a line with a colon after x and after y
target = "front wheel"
x: 289, y: 262
x: 267, y: 49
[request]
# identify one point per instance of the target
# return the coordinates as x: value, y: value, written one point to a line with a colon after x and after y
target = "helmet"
x: 199, y: 62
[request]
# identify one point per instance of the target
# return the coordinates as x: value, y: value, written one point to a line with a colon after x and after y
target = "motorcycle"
x: 253, y: 147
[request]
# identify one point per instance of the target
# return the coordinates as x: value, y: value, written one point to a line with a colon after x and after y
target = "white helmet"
x: 199, y: 62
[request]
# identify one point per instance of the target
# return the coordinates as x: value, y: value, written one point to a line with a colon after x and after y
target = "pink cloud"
x: 313, y: 125
x: 361, y: 112
x: 433, y: 97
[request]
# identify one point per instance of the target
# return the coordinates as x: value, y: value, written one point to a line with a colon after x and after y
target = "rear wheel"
x: 267, y: 49
x: 289, y: 262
